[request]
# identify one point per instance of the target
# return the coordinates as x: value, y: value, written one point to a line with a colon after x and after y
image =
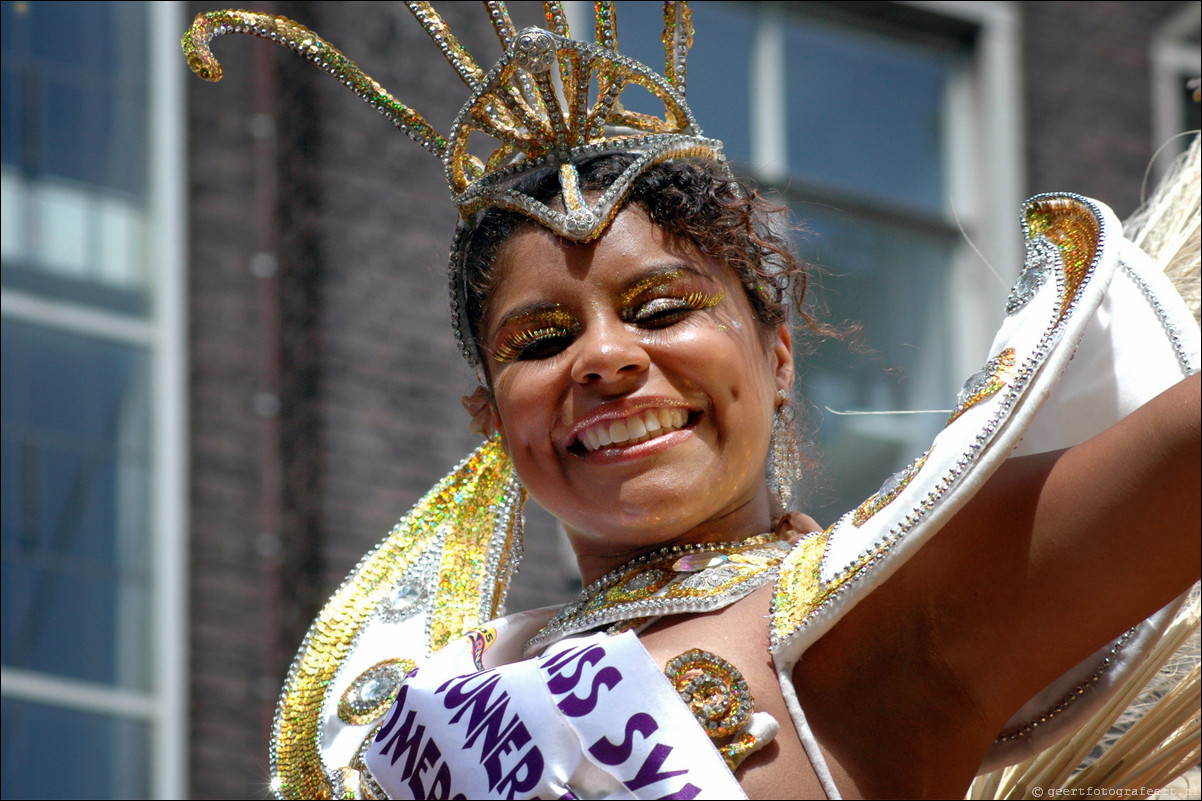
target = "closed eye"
x: 539, y: 343
x: 662, y: 312
x: 537, y: 334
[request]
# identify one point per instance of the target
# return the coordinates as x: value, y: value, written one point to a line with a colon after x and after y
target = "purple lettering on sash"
x: 649, y: 771
x: 575, y: 707
x: 559, y: 683
x: 526, y: 774
x: 552, y: 664
x: 430, y: 756
x: 494, y: 727
x: 454, y: 687
x: 515, y: 736
x: 607, y: 753
x: 398, y: 706
x: 441, y: 786
x: 405, y: 741
x: 475, y: 702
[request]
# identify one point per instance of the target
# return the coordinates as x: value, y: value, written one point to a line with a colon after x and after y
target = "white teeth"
x: 636, y: 428
x: 618, y: 432
x: 633, y: 430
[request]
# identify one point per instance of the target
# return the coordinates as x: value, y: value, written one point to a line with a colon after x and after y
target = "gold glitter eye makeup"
x: 664, y: 297
x: 663, y: 311
x: 536, y: 335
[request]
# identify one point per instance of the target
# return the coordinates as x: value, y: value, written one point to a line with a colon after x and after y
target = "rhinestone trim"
x: 648, y: 587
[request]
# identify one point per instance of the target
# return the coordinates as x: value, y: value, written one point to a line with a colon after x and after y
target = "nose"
x: 609, y: 353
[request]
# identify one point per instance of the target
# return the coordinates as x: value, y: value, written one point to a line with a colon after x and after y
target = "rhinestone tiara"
x: 534, y: 121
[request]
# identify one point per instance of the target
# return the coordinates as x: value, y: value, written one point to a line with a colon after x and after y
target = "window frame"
x: 162, y: 334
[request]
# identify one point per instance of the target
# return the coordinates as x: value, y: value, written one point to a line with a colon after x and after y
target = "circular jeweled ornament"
x: 372, y: 693
x: 534, y: 50
x: 580, y: 222
x: 713, y: 689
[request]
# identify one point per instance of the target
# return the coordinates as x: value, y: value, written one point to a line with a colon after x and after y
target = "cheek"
x: 523, y: 407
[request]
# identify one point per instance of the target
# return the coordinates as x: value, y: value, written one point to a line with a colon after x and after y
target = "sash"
x: 592, y: 717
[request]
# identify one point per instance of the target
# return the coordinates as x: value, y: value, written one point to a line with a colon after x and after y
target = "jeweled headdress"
x: 538, y: 122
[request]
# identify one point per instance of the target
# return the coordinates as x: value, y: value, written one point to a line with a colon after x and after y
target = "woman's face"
x: 633, y: 388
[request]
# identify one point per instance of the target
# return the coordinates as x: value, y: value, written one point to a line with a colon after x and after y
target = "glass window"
x: 866, y: 113
x: 723, y: 110
x: 89, y: 432
x: 108, y: 757
x: 75, y: 536
x: 75, y: 151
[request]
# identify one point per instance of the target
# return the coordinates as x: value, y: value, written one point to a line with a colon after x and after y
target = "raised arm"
x: 1055, y: 556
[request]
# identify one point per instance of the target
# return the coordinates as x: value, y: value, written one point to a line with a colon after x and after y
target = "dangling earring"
x: 784, y: 452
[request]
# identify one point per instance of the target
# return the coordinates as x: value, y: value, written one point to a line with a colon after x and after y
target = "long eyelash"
x: 516, y: 344
x: 692, y: 301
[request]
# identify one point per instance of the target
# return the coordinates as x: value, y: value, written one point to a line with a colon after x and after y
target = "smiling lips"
x: 645, y: 425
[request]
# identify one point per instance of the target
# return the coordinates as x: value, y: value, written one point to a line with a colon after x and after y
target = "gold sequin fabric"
x: 470, y: 523
x: 892, y: 487
x: 984, y: 384
x: 1073, y: 227
x: 718, y: 696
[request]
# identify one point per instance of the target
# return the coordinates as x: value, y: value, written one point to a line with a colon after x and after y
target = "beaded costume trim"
x: 451, y: 556
x: 548, y: 103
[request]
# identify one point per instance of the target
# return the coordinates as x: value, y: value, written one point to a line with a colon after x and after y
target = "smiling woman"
x: 627, y: 305
x: 656, y: 328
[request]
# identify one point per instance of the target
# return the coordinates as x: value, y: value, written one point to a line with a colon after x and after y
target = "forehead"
x: 534, y: 262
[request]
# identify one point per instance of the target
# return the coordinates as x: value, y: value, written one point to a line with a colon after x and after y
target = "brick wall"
x: 1087, y: 92
x: 227, y: 728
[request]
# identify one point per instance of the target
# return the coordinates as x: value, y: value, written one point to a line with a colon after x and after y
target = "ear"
x: 482, y: 411
x: 782, y: 357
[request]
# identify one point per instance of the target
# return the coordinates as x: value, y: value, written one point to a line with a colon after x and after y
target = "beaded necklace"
x: 674, y: 580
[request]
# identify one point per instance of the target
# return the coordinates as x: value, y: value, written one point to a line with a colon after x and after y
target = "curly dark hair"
x: 697, y: 200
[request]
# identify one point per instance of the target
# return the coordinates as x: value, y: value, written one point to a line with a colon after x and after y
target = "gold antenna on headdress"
x: 517, y: 104
x: 678, y: 38
x: 308, y: 44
